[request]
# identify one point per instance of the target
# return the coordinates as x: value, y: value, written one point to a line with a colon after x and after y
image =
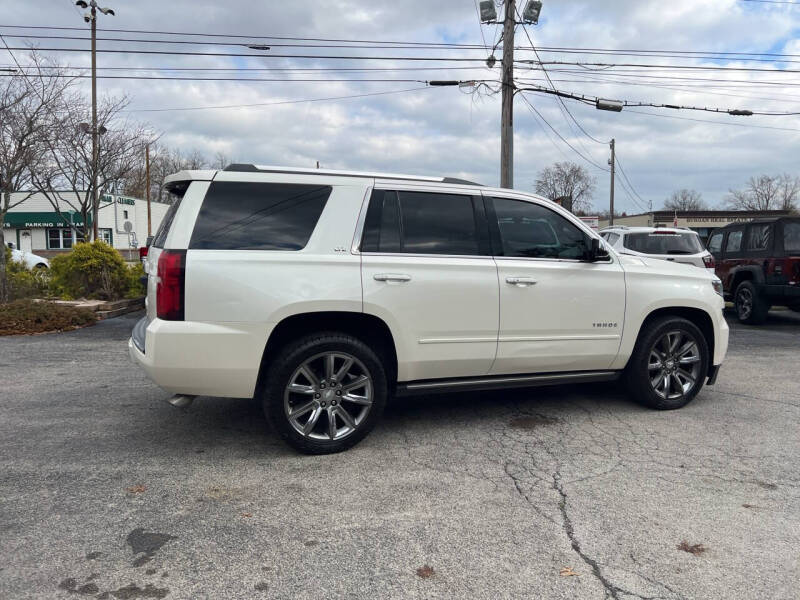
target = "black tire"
x: 278, y: 401
x: 751, y: 308
x: 638, y: 378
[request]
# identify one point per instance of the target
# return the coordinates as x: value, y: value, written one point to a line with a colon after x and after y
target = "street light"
x: 532, y: 11
x: 91, y: 17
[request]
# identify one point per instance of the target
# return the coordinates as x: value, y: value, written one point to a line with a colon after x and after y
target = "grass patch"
x: 27, y: 316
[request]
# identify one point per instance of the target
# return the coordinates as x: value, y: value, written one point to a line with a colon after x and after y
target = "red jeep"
x: 759, y: 265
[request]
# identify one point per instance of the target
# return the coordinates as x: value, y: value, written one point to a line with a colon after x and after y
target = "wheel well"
x: 368, y: 328
x: 738, y: 278
x: 696, y: 315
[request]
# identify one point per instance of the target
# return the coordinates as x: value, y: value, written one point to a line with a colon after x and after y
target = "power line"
x: 628, y: 181
x: 253, y: 79
x: 278, y: 103
x: 771, y: 2
x: 561, y: 102
x: 553, y: 129
x: 728, y: 123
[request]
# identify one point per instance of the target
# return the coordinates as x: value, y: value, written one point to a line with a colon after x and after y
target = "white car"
x: 30, y: 260
x: 674, y: 244
x: 321, y: 293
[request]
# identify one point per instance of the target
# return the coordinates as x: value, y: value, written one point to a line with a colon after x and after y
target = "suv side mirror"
x: 595, y: 251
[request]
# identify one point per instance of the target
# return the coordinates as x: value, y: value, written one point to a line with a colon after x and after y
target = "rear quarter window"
x: 791, y: 237
x: 258, y: 216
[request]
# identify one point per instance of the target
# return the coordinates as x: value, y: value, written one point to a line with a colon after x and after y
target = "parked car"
x: 759, y: 265
x: 321, y: 293
x: 29, y: 259
x: 665, y: 243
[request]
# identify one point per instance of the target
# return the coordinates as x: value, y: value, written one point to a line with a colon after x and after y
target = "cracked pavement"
x: 108, y: 492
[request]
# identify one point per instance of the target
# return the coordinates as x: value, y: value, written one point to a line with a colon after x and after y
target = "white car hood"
x: 658, y: 266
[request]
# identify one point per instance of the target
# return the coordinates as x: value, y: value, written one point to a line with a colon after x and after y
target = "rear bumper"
x: 201, y: 359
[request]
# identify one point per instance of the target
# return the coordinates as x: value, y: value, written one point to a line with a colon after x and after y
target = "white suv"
x: 322, y: 293
x: 674, y: 244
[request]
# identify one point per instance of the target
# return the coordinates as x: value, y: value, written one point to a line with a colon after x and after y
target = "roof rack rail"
x: 251, y: 168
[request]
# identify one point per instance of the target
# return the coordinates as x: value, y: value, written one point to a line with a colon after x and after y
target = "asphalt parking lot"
x: 106, y: 491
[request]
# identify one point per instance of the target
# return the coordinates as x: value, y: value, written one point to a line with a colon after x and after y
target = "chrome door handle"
x: 391, y: 277
x: 521, y: 281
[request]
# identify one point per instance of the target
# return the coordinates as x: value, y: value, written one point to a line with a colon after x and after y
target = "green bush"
x: 91, y: 270
x: 29, y: 316
x: 25, y: 283
x: 136, y: 288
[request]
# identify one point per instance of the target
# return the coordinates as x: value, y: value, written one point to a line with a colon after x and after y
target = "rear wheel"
x: 325, y: 393
x: 669, y: 364
x: 751, y: 308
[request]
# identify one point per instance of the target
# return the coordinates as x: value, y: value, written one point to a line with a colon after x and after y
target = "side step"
x: 499, y: 382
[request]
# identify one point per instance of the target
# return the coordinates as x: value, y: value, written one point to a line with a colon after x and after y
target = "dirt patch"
x: 766, y: 485
x: 695, y: 549
x: 27, y: 316
x: 136, y: 489
x: 531, y: 422
x: 426, y: 572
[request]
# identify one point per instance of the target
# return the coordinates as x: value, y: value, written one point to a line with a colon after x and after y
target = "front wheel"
x: 669, y: 364
x: 325, y: 393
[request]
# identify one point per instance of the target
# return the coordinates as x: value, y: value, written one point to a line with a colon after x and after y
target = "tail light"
x: 171, y: 287
x: 709, y: 262
x: 143, y: 252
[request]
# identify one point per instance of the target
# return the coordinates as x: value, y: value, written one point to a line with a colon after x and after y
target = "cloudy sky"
x: 400, y: 125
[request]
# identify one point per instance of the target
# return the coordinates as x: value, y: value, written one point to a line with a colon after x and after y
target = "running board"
x: 499, y: 382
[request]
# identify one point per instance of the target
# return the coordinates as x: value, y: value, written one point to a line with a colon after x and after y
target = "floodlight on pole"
x: 488, y: 11
x: 532, y: 11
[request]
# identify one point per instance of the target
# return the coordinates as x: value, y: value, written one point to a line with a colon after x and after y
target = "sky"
x: 403, y: 126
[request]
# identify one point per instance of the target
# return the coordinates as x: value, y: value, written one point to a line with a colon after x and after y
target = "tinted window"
x: 757, y: 237
x: 791, y: 236
x: 530, y: 230
x: 437, y: 224
x: 657, y: 242
x: 382, y: 225
x: 161, y: 235
x: 258, y: 216
x: 715, y: 243
x: 734, y: 241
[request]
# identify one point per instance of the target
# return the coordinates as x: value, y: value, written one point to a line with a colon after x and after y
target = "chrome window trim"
x: 409, y: 255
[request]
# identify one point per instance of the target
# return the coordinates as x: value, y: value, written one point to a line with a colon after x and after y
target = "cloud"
x: 443, y: 131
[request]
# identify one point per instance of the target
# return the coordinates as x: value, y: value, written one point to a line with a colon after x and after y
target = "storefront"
x: 701, y: 221
x: 35, y: 226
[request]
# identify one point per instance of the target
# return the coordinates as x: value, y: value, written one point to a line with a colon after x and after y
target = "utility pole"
x: 612, y: 162
x: 91, y: 18
x: 507, y: 123
x: 147, y: 188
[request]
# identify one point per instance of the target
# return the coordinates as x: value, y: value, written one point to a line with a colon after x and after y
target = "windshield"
x: 658, y: 242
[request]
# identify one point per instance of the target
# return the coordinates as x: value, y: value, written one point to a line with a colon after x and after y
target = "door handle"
x: 521, y: 281
x: 391, y: 277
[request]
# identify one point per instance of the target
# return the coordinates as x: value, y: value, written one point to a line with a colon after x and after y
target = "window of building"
x: 533, y: 231
x: 60, y: 239
x: 104, y: 235
x: 258, y: 216
x: 421, y: 223
x: 734, y: 241
x: 757, y: 236
x: 715, y: 243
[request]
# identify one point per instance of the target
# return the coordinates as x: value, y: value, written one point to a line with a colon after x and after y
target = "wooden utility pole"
x: 147, y: 188
x: 612, y: 162
x: 507, y: 124
x: 95, y: 155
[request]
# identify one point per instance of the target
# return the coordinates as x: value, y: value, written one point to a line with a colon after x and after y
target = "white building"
x: 35, y: 226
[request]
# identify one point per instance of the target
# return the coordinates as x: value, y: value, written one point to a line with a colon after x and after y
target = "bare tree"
x: 221, y: 160
x: 568, y: 183
x: 767, y: 192
x: 67, y: 178
x: 685, y: 199
x: 27, y: 104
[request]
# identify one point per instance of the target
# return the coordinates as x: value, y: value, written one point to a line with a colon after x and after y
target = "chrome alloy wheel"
x: 328, y: 396
x: 674, y: 364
